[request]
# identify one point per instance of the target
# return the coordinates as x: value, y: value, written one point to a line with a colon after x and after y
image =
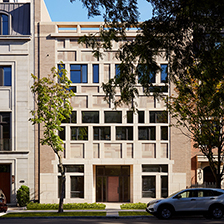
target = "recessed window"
x: 158, y: 117
x: 113, y: 117
x: 164, y: 186
x: 73, y: 168
x: 78, y: 73
x: 148, y: 186
x: 101, y: 133
x: 4, y: 24
x: 5, y: 132
x: 129, y: 116
x: 141, y: 116
x: 5, y: 76
x: 144, y: 74
x: 164, y: 133
x: 124, y: 133
x: 62, y: 133
x: 77, y: 186
x: 71, y: 118
x: 95, y: 73
x: 146, y: 133
x: 155, y: 168
x: 164, y: 76
x: 117, y: 70
x: 90, y: 116
x: 79, y: 133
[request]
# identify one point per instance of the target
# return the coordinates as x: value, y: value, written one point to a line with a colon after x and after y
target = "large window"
x: 95, y: 73
x: 90, y: 116
x: 101, y: 133
x: 79, y: 133
x: 164, y: 76
x: 4, y: 24
x: 5, y: 125
x: 158, y: 117
x: 62, y: 133
x: 77, y: 186
x: 164, y: 133
x: 141, y: 116
x: 148, y: 186
x: 113, y: 117
x: 71, y: 118
x: 78, y: 73
x: 146, y: 133
x: 129, y: 116
x: 5, y: 76
x: 124, y: 133
x: 145, y: 75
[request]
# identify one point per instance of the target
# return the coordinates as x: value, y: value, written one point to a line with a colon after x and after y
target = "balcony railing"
x: 5, y: 144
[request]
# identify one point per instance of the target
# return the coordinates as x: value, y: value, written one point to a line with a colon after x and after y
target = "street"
x: 177, y: 220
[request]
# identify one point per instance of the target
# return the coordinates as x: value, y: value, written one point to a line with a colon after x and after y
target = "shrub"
x: 23, y: 196
x: 68, y: 206
x: 138, y: 205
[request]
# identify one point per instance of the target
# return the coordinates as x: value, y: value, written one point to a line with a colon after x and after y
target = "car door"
x: 185, y: 201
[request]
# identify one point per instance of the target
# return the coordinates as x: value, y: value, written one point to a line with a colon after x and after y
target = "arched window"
x: 4, y: 24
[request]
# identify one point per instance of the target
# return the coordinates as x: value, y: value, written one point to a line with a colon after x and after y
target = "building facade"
x: 110, y: 155
x: 16, y: 100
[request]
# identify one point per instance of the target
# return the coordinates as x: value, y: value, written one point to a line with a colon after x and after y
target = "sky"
x: 65, y: 11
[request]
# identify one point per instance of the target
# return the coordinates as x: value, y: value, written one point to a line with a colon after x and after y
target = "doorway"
x: 113, y: 183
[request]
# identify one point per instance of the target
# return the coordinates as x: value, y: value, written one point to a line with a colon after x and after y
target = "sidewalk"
x: 111, y: 209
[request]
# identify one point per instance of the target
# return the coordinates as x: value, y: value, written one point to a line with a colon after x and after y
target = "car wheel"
x: 217, y: 212
x: 165, y: 212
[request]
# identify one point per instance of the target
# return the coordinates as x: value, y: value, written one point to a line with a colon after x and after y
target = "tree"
x: 189, y: 33
x: 52, y: 97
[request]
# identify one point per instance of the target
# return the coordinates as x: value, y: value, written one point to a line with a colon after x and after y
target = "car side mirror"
x: 178, y: 196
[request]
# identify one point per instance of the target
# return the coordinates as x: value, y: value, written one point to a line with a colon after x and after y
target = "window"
x: 144, y: 74
x: 78, y: 73
x: 113, y: 117
x: 164, y: 133
x: 117, y: 70
x: 5, y: 131
x: 129, y: 117
x: 4, y: 24
x: 95, y: 73
x: 141, y: 116
x: 73, y: 168
x: 146, y: 133
x: 71, y: 119
x: 90, y: 116
x: 77, y: 186
x: 158, y: 117
x: 61, y: 67
x: 148, y: 186
x: 62, y: 133
x: 164, y: 76
x: 79, y: 133
x: 164, y: 186
x: 101, y: 133
x: 155, y: 168
x: 124, y: 133
x: 5, y: 76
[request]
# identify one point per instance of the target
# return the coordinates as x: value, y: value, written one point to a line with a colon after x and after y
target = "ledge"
x: 14, y: 152
x: 15, y: 37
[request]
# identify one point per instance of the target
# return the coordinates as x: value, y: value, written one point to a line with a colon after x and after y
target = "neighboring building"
x: 16, y: 100
x: 110, y: 155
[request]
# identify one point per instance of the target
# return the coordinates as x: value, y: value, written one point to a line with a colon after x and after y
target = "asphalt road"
x: 178, y: 220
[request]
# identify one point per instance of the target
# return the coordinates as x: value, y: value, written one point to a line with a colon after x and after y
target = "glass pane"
x: 129, y: 117
x: 76, y: 76
x: 117, y: 70
x: 143, y: 133
x: 164, y: 77
x: 113, y: 117
x: 74, y: 168
x: 75, y: 67
x: 148, y: 186
x: 5, y: 25
x: 141, y: 117
x: 96, y: 133
x: 155, y: 168
x: 164, y: 133
x: 73, y: 117
x: 158, y: 117
x: 90, y: 116
x: 62, y: 133
x: 152, y: 133
x: 95, y: 73
x: 60, y: 67
x: 105, y: 133
x: 84, y: 73
x: 164, y: 186
x: 83, y: 133
x: 77, y: 187
x: 7, y: 76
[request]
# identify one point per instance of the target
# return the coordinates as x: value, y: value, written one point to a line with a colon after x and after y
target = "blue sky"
x: 65, y: 11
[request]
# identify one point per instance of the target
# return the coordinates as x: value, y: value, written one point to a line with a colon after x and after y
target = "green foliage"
x: 138, y: 205
x: 69, y: 206
x: 23, y: 196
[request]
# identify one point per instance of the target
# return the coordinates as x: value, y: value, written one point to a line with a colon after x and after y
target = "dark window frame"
x: 91, y: 112
x: 150, y: 135
x: 157, y: 117
x: 100, y: 129
x: 76, y: 136
x: 128, y: 135
x: 77, y: 191
x: 81, y: 76
x: 96, y: 73
x: 106, y: 113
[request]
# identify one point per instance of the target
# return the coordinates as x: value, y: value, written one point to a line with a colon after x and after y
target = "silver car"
x: 206, y: 201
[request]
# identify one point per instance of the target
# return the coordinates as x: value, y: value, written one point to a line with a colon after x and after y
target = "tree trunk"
x: 61, y: 199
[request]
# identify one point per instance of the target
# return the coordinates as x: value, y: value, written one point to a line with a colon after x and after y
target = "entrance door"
x: 5, y: 180
x: 113, y: 188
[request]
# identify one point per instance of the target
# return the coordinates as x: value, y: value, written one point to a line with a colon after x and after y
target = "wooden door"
x: 112, y: 188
